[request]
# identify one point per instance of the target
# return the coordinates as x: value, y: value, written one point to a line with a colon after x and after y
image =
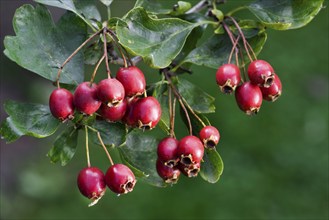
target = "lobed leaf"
x: 41, y: 46
x: 112, y: 134
x: 64, y: 146
x: 27, y: 119
x: 200, y: 101
x: 140, y: 152
x: 216, y: 50
x: 158, y: 41
x: 285, y: 14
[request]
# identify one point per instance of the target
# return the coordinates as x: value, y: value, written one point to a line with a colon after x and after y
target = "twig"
x: 198, y: 7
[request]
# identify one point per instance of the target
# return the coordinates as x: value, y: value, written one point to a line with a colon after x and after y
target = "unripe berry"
x: 167, y: 151
x: 110, y: 91
x: 85, y: 98
x: 249, y: 98
x: 147, y: 112
x: 113, y: 113
x: 168, y: 174
x: 228, y: 78
x: 190, y: 170
x: 61, y: 104
x: 261, y: 73
x: 132, y: 79
x: 120, y: 179
x: 273, y: 92
x: 190, y: 150
x: 210, y: 136
x: 91, y: 183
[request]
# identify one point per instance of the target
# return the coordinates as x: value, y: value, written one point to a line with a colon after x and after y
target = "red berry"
x: 113, y: 113
x: 261, y: 73
x: 167, y: 151
x: 132, y: 79
x: 168, y: 174
x: 120, y: 179
x: 91, y: 183
x: 210, y: 136
x: 273, y: 92
x: 61, y: 104
x: 110, y: 91
x: 128, y: 118
x: 147, y: 112
x: 85, y: 98
x: 190, y: 170
x: 190, y: 150
x: 249, y: 98
x: 228, y: 78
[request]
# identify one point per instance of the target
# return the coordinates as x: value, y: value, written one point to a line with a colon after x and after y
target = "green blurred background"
x: 276, y: 163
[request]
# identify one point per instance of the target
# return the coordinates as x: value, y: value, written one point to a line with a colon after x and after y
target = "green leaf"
x: 212, y: 166
x: 200, y: 101
x: 154, y: 6
x: 107, y: 3
x: 93, y: 53
x: 64, y: 146
x: 138, y: 173
x: 112, y: 134
x: 160, y: 92
x: 158, y: 41
x: 140, y: 152
x: 216, y: 50
x: 27, y: 119
x: 180, y: 8
x: 85, y: 9
x: 285, y: 14
x: 42, y: 47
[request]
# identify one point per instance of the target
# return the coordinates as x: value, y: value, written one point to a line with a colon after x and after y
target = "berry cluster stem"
x: 106, y: 54
x: 172, y: 105
x: 96, y: 68
x: 104, y: 147
x: 87, y: 147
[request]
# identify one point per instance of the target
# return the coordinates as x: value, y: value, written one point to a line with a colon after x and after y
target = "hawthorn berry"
x: 132, y: 79
x: 261, y: 73
x: 128, y: 118
x: 113, y: 113
x: 249, y: 98
x: 147, y: 112
x: 273, y: 92
x: 110, y: 91
x: 191, y: 170
x: 228, y: 78
x: 120, y: 179
x: 167, y: 151
x: 168, y: 174
x: 85, y: 98
x: 210, y: 136
x: 190, y: 150
x: 61, y: 104
x: 91, y: 183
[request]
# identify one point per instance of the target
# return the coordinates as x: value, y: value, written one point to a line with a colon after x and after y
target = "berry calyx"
x: 110, y: 91
x: 91, y: 183
x: 190, y: 150
x: 249, y: 98
x: 132, y: 79
x: 228, y: 78
x: 273, y: 92
x: 61, y: 104
x: 190, y: 170
x: 168, y: 174
x: 261, y: 73
x: 147, y: 113
x: 113, y: 113
x: 167, y: 151
x: 85, y: 98
x: 209, y: 136
x: 120, y: 179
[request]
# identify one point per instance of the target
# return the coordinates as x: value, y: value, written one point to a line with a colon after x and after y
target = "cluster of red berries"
x: 92, y: 181
x: 115, y: 99
x: 263, y: 84
x: 184, y: 156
